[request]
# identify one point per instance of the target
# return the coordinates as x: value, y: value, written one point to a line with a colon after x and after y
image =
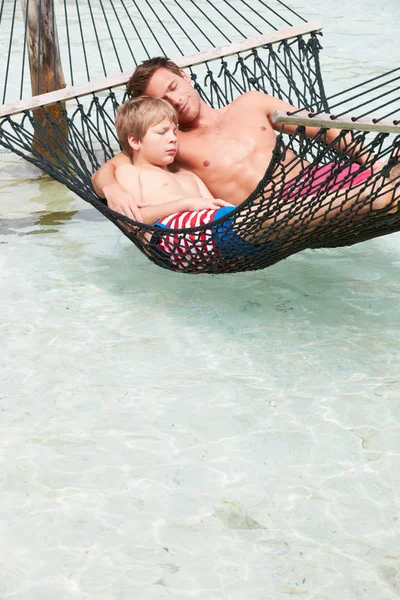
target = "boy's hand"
x: 201, y: 203
x: 123, y: 203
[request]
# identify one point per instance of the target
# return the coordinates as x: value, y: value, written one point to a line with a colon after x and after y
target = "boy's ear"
x: 185, y: 76
x: 133, y: 142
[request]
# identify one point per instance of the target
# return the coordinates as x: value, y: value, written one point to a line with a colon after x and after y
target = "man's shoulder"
x: 249, y: 98
x: 253, y: 100
x: 258, y: 102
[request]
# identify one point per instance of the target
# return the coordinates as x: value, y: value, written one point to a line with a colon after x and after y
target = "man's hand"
x: 378, y: 166
x: 122, y: 202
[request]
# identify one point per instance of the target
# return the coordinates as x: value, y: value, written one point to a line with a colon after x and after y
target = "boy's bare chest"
x: 163, y: 186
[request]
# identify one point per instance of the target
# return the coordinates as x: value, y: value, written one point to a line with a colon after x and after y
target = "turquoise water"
x: 210, y: 437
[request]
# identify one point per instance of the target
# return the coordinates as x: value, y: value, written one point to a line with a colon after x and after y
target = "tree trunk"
x: 51, y: 131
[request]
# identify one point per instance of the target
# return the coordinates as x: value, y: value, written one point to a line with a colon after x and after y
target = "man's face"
x: 177, y: 91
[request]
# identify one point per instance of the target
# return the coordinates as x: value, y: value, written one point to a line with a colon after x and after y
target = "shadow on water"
x: 45, y: 219
x: 329, y: 288
x: 59, y: 208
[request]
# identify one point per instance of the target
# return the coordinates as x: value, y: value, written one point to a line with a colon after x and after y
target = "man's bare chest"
x: 226, y: 144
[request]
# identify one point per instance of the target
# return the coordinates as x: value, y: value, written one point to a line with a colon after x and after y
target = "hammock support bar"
x: 327, y: 121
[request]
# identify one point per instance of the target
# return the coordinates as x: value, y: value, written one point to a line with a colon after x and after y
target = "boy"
x: 147, y: 131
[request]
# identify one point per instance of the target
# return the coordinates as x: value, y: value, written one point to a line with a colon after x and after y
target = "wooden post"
x: 326, y: 121
x: 46, y: 72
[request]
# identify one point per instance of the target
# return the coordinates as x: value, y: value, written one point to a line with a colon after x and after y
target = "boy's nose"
x: 172, y: 134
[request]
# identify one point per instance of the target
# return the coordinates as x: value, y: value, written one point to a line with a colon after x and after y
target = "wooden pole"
x: 46, y: 73
x: 325, y: 120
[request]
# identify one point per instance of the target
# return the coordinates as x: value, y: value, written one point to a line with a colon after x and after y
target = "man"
x: 228, y: 148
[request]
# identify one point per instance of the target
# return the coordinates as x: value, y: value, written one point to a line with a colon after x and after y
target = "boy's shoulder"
x: 181, y: 172
x: 153, y: 171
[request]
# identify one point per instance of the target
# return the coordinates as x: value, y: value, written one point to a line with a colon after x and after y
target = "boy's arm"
x: 106, y: 186
x: 128, y: 177
x: 203, y: 189
x: 154, y: 213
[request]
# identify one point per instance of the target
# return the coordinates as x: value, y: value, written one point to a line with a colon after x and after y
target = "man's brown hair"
x: 137, y: 115
x: 144, y: 72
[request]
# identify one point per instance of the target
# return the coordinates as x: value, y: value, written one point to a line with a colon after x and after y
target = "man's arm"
x: 271, y: 104
x: 106, y: 186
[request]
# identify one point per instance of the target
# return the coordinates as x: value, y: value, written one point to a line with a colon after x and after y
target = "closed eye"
x: 172, y: 86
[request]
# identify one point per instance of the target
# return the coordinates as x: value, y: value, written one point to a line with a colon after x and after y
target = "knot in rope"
x: 224, y: 68
x: 239, y: 63
x: 392, y: 162
x: 314, y: 43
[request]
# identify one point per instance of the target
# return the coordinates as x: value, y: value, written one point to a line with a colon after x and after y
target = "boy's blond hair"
x: 136, y: 116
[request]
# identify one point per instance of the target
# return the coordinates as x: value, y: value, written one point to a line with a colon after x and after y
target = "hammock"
x: 233, y: 47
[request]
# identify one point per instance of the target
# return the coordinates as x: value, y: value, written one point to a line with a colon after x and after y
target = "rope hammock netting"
x: 316, y: 192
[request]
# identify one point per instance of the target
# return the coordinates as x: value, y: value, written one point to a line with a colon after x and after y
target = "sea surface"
x: 178, y: 437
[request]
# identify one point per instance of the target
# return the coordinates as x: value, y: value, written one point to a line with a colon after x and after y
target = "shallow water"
x: 209, y: 437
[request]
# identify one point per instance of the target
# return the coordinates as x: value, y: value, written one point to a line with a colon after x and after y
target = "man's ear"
x: 185, y: 76
x: 133, y: 142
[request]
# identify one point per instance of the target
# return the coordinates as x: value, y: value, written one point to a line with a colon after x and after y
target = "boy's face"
x: 158, y: 146
x: 177, y: 91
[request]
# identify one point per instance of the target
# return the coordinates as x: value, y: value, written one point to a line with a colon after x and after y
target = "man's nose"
x: 174, y: 99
